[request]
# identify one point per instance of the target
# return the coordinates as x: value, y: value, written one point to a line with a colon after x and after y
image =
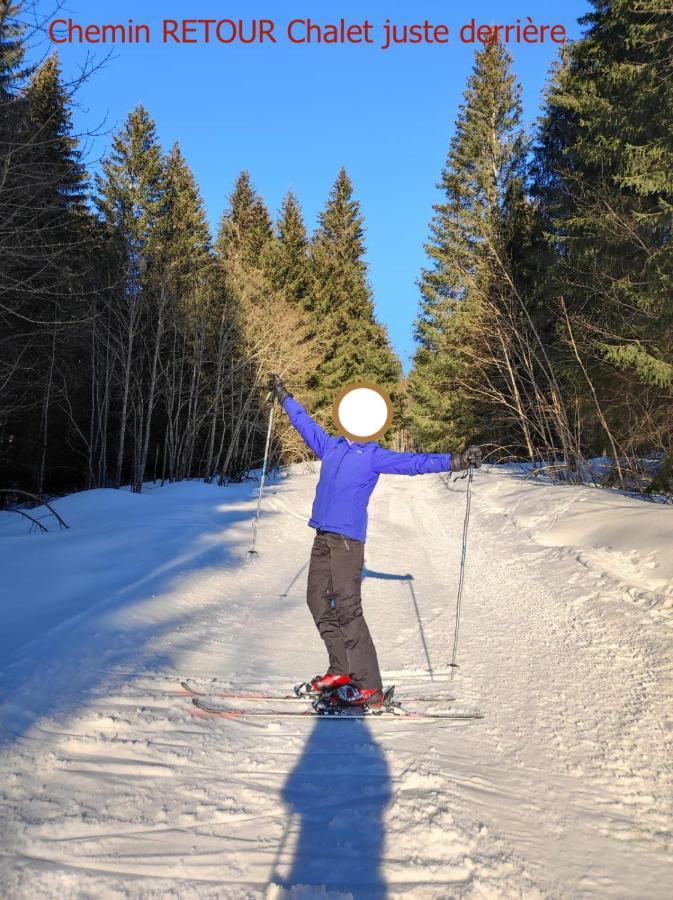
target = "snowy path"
x: 110, y: 787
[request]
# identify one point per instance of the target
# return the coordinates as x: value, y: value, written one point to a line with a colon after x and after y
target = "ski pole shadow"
x: 409, y: 580
x: 385, y: 576
x: 336, y: 797
x: 294, y: 581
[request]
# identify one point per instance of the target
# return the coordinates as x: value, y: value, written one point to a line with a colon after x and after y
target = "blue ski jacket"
x: 350, y: 471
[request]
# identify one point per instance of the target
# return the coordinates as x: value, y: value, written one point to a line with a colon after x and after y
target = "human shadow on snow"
x: 336, y: 797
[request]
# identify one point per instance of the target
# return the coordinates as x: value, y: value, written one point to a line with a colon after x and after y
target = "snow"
x: 606, y: 531
x: 111, y: 784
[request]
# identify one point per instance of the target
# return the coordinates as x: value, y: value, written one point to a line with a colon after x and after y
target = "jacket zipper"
x: 336, y: 472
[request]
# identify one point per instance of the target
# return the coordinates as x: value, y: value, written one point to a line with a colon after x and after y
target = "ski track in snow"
x: 112, y: 785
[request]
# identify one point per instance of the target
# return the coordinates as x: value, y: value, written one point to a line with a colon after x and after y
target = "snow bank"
x: 626, y: 538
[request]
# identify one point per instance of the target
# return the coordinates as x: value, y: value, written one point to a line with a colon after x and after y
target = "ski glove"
x: 471, y: 457
x: 277, y: 388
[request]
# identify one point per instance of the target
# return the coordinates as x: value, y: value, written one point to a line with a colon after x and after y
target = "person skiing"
x: 349, y: 473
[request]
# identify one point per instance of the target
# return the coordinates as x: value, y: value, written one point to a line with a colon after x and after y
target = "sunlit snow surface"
x: 111, y: 786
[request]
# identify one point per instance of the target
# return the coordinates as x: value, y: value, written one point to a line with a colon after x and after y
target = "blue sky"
x: 294, y: 114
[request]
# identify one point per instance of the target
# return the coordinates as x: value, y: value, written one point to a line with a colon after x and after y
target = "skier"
x: 349, y: 473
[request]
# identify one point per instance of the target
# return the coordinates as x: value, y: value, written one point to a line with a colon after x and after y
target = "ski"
x: 389, y: 712
x: 237, y: 693
x: 260, y: 696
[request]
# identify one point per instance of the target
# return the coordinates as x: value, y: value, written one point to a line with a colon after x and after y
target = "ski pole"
x: 461, y: 580
x: 252, y: 551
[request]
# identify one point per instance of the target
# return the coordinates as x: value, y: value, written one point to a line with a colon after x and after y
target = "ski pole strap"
x: 461, y: 580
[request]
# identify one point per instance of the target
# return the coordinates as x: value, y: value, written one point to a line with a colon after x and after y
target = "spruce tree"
x: 17, y: 244
x: 352, y: 345
x: 470, y: 250
x: 187, y: 315
x: 605, y: 161
x: 131, y: 190
x: 48, y: 247
x: 12, y: 51
x: 271, y: 325
x: 59, y: 177
x: 185, y: 236
x: 59, y: 254
x: 130, y: 197
x: 13, y: 137
x: 246, y: 229
x: 292, y: 276
x: 291, y: 270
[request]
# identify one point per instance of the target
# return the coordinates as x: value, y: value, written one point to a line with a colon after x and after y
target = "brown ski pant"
x: 333, y: 596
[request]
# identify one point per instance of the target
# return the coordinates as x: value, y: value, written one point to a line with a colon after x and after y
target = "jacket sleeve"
x: 314, y: 436
x: 387, y: 462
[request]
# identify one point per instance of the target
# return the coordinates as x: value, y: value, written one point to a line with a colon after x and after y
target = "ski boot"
x: 320, y: 684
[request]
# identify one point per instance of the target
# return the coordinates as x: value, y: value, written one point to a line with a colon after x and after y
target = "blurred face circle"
x: 362, y: 411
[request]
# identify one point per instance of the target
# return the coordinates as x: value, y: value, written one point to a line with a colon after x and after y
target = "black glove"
x: 471, y: 457
x: 278, y: 389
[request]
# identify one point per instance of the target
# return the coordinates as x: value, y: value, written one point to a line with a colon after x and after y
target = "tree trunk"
x: 151, y: 399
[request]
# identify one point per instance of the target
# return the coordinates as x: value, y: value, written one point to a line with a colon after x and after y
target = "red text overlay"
x: 384, y: 35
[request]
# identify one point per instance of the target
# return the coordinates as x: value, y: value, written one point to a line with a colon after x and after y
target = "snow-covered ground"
x: 110, y: 786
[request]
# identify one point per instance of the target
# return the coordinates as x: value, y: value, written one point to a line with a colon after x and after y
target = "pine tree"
x: 50, y: 120
x: 57, y: 181
x: 605, y: 161
x: 58, y: 251
x: 464, y: 326
x: 245, y: 228
x: 272, y: 325
x: 48, y: 245
x: 130, y: 197
x: 12, y: 200
x: 353, y: 346
x: 131, y: 191
x: 12, y: 51
x: 185, y: 236
x: 291, y: 274
x: 291, y: 270
x: 191, y: 318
